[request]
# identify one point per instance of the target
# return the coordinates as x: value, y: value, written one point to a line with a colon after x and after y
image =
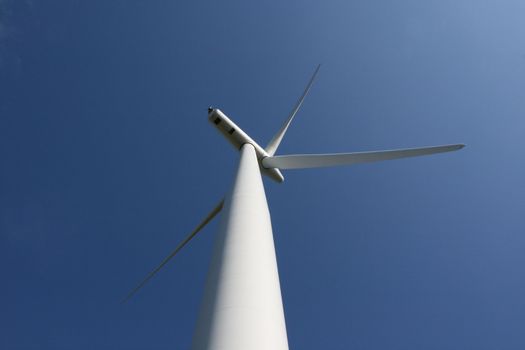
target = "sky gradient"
x: 108, y: 161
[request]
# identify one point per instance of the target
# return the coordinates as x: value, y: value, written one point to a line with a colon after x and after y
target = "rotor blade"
x: 276, y: 140
x: 301, y: 161
x: 208, y: 218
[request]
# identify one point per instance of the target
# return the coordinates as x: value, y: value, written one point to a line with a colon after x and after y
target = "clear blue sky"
x: 107, y: 160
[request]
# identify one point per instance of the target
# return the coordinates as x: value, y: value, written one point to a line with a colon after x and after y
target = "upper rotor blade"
x: 301, y: 161
x: 276, y: 140
x: 206, y: 220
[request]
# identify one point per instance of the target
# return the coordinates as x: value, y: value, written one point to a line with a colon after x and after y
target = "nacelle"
x: 237, y: 138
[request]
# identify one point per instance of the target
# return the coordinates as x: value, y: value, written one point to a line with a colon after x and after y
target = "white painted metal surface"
x: 237, y: 137
x: 242, y: 306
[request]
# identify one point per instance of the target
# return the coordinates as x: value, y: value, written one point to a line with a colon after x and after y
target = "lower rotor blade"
x: 301, y: 161
x: 206, y: 220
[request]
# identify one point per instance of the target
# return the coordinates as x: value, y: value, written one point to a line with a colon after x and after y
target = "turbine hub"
x: 237, y: 137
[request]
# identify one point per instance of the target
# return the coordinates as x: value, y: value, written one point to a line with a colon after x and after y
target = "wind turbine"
x: 242, y: 306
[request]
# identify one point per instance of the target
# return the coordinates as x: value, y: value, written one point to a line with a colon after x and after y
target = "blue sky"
x: 107, y: 161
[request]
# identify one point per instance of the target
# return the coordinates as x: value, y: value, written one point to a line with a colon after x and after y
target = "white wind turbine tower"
x: 242, y: 307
